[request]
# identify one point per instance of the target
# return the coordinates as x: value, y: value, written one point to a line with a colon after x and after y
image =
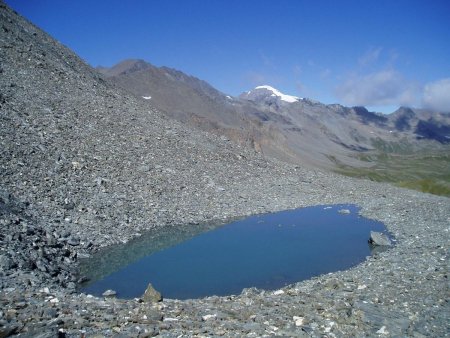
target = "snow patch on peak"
x: 275, y: 92
x: 146, y: 97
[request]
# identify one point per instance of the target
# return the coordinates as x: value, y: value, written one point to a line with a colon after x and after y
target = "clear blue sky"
x: 381, y: 54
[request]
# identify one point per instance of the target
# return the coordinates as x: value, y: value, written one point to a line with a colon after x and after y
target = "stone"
x: 69, y: 206
x: 344, y: 211
x: 6, y: 263
x: 383, y: 331
x: 208, y: 317
x: 151, y: 295
x: 251, y: 327
x: 8, y: 330
x: 50, y: 313
x: 82, y: 279
x: 73, y: 240
x: 51, y: 241
x: 65, y: 234
x: 83, y: 255
x: 378, y: 238
x: 109, y: 293
x: 299, y: 321
x: 154, y: 315
x: 41, y: 265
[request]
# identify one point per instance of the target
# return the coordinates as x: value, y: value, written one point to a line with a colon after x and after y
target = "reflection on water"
x: 110, y: 259
x: 265, y: 251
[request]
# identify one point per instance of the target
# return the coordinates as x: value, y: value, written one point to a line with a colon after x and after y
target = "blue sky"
x: 380, y: 54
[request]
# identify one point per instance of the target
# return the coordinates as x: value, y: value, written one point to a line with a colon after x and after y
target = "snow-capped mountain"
x: 268, y: 93
x: 286, y: 127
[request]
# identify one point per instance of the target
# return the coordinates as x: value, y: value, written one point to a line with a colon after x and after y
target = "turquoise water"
x: 266, y: 251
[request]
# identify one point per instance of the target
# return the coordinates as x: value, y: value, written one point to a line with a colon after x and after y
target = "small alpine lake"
x: 265, y: 251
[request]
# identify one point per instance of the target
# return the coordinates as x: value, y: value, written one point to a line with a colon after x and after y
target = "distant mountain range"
x: 286, y: 127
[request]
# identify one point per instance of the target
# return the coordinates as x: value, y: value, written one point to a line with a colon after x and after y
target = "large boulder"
x: 151, y: 295
x: 378, y: 238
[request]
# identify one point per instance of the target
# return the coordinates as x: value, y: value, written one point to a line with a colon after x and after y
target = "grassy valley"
x: 398, y: 163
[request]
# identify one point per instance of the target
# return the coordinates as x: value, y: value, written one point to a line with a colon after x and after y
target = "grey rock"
x: 154, y: 315
x: 8, y: 330
x: 251, y: 327
x: 69, y: 206
x: 82, y: 279
x: 41, y: 265
x: 151, y: 295
x: 51, y: 241
x: 109, y: 293
x: 73, y: 240
x: 6, y: 263
x: 378, y: 238
x: 50, y: 313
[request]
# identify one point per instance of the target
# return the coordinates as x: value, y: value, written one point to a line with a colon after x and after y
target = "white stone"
x: 109, y: 293
x: 383, y: 330
x: 207, y: 317
x: 298, y: 320
x: 76, y: 165
x: 278, y: 292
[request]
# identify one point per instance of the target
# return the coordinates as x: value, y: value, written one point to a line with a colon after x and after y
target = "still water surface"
x: 265, y: 251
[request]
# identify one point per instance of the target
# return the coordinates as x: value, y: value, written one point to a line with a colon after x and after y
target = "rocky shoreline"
x: 84, y: 166
x: 401, y: 292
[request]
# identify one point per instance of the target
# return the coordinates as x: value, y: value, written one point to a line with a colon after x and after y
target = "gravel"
x: 84, y: 166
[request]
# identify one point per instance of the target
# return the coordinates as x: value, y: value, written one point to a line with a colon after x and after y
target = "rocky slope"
x: 84, y: 165
x: 185, y: 98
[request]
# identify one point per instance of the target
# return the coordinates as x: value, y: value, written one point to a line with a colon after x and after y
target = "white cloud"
x: 436, y: 95
x: 382, y: 88
x: 370, y: 56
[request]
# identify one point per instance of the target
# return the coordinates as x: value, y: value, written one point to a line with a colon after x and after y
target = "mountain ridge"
x: 292, y: 129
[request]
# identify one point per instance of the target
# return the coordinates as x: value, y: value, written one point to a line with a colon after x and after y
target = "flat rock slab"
x: 378, y: 238
x: 109, y: 293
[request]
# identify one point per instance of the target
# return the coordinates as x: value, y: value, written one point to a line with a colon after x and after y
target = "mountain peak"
x: 266, y: 91
x: 125, y: 67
